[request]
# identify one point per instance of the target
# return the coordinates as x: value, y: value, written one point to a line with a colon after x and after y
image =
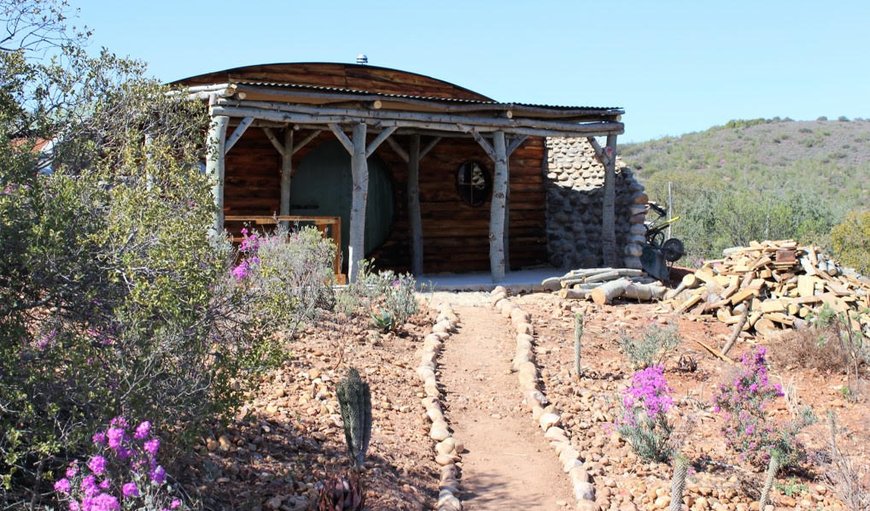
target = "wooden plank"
x: 608, y: 214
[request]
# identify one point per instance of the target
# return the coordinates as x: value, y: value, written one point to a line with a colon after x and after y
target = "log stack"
x: 776, y: 285
x: 602, y: 285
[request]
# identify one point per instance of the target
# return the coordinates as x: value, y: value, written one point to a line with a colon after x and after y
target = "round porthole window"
x: 473, y: 183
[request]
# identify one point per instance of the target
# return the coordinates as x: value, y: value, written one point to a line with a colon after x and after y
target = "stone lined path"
x: 508, y: 463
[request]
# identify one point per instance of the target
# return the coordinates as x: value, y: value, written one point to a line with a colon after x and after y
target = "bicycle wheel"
x: 673, y: 250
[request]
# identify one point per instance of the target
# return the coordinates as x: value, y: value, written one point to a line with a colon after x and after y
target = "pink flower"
x: 130, y: 490
x: 99, y: 438
x: 175, y: 504
x: 62, y: 486
x: 115, y: 437
x: 142, y: 430
x: 158, y: 475
x: 97, y: 464
x: 72, y: 469
x: 151, y: 446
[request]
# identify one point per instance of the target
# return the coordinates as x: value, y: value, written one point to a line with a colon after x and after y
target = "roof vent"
x: 362, y: 59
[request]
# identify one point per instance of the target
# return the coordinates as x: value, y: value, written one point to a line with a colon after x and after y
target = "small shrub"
x: 817, y: 348
x: 850, y: 240
x: 387, y: 297
x: 742, y: 400
x: 644, y: 422
x: 122, y: 474
x: 652, y: 348
x: 848, y: 480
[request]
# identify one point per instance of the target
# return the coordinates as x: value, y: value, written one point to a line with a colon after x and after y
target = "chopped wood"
x: 771, y: 285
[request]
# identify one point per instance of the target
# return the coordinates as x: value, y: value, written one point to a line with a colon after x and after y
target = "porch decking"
x: 516, y: 281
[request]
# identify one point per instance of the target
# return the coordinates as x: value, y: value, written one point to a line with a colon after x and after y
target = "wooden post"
x: 286, y: 173
x: 498, y: 208
x: 214, y: 166
x: 608, y: 215
x: 360, y: 171
x: 415, y: 217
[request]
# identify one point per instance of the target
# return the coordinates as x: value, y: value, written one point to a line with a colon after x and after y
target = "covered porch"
x: 291, y: 116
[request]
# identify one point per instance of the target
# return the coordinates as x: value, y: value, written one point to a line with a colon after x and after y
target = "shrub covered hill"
x: 759, y: 179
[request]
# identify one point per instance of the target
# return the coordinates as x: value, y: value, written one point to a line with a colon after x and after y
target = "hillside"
x: 787, y: 178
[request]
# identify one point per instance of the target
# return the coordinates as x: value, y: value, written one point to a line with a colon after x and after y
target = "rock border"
x: 447, y: 448
x: 544, y: 414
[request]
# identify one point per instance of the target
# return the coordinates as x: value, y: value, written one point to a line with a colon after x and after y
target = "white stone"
x: 439, y: 432
x: 549, y: 420
x: 584, y: 491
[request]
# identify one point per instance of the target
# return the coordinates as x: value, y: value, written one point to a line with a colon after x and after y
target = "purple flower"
x: 115, y: 437
x: 241, y: 271
x: 105, y: 484
x: 97, y: 464
x: 62, y: 486
x: 101, y: 502
x: 72, y: 469
x: 89, y: 486
x: 119, y: 422
x: 151, y: 446
x: 142, y: 430
x: 158, y: 475
x: 175, y: 504
x: 74, y: 505
x: 130, y: 490
x: 99, y: 438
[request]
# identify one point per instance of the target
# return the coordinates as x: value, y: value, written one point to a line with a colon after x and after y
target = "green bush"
x: 652, y: 348
x: 850, y: 241
x: 386, y: 297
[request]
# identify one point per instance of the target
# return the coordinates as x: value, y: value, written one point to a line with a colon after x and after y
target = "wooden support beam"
x: 302, y: 143
x: 498, y: 208
x: 237, y: 133
x: 599, y: 151
x: 516, y: 143
x: 608, y: 214
x: 360, y: 172
x: 342, y: 137
x: 415, y: 217
x: 431, y: 145
x: 373, y: 146
x: 286, y: 172
x: 274, y: 139
x: 487, y: 147
x: 214, y: 166
x: 398, y: 149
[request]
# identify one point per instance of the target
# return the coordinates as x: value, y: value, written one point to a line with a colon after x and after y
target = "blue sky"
x: 675, y: 66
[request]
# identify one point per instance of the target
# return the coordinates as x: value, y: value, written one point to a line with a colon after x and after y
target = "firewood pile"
x: 602, y: 285
x: 772, y: 285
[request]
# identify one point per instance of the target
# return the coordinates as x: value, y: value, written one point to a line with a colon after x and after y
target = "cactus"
x: 341, y: 493
x: 355, y: 401
x: 578, y: 333
x: 772, y: 469
x: 678, y: 481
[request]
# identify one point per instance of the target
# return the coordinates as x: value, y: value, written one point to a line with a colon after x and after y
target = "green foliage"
x: 850, y: 240
x: 387, y: 297
x: 652, y: 348
x: 757, y: 180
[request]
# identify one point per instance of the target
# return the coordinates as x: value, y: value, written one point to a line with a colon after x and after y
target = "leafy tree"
x: 850, y: 240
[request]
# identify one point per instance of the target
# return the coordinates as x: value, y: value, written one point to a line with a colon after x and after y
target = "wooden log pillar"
x: 608, y: 214
x: 215, y: 166
x: 415, y: 216
x: 360, y: 172
x: 498, y: 208
x: 286, y: 174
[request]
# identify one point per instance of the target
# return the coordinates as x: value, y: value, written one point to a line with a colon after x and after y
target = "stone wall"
x: 574, y: 181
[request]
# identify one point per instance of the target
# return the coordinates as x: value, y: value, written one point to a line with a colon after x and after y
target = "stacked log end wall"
x: 574, y: 183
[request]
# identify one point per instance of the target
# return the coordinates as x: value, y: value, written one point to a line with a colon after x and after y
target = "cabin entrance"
x: 323, y: 186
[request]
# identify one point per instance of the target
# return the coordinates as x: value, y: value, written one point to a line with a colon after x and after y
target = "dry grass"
x: 813, y: 348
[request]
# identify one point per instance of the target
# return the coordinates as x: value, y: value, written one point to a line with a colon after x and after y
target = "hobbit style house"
x: 418, y: 173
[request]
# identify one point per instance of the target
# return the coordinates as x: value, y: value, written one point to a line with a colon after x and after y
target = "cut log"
x: 577, y: 294
x: 644, y: 292
x: 606, y: 292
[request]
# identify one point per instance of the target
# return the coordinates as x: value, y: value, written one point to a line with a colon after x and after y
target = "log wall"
x: 455, y: 235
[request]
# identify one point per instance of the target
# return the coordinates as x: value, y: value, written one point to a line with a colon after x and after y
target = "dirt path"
x: 508, y: 463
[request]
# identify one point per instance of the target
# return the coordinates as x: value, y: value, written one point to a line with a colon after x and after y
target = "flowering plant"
x: 742, y: 401
x: 644, y: 422
x: 248, y: 250
x: 123, y: 474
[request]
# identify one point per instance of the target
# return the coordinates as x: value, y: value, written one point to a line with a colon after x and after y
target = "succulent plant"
x: 341, y: 493
x: 355, y: 401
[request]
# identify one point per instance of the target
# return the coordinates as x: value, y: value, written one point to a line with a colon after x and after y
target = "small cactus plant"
x: 355, y: 401
x: 341, y: 493
x: 772, y: 468
x: 578, y: 333
x: 678, y: 481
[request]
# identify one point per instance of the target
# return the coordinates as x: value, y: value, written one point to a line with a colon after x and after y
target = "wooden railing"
x: 329, y: 226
